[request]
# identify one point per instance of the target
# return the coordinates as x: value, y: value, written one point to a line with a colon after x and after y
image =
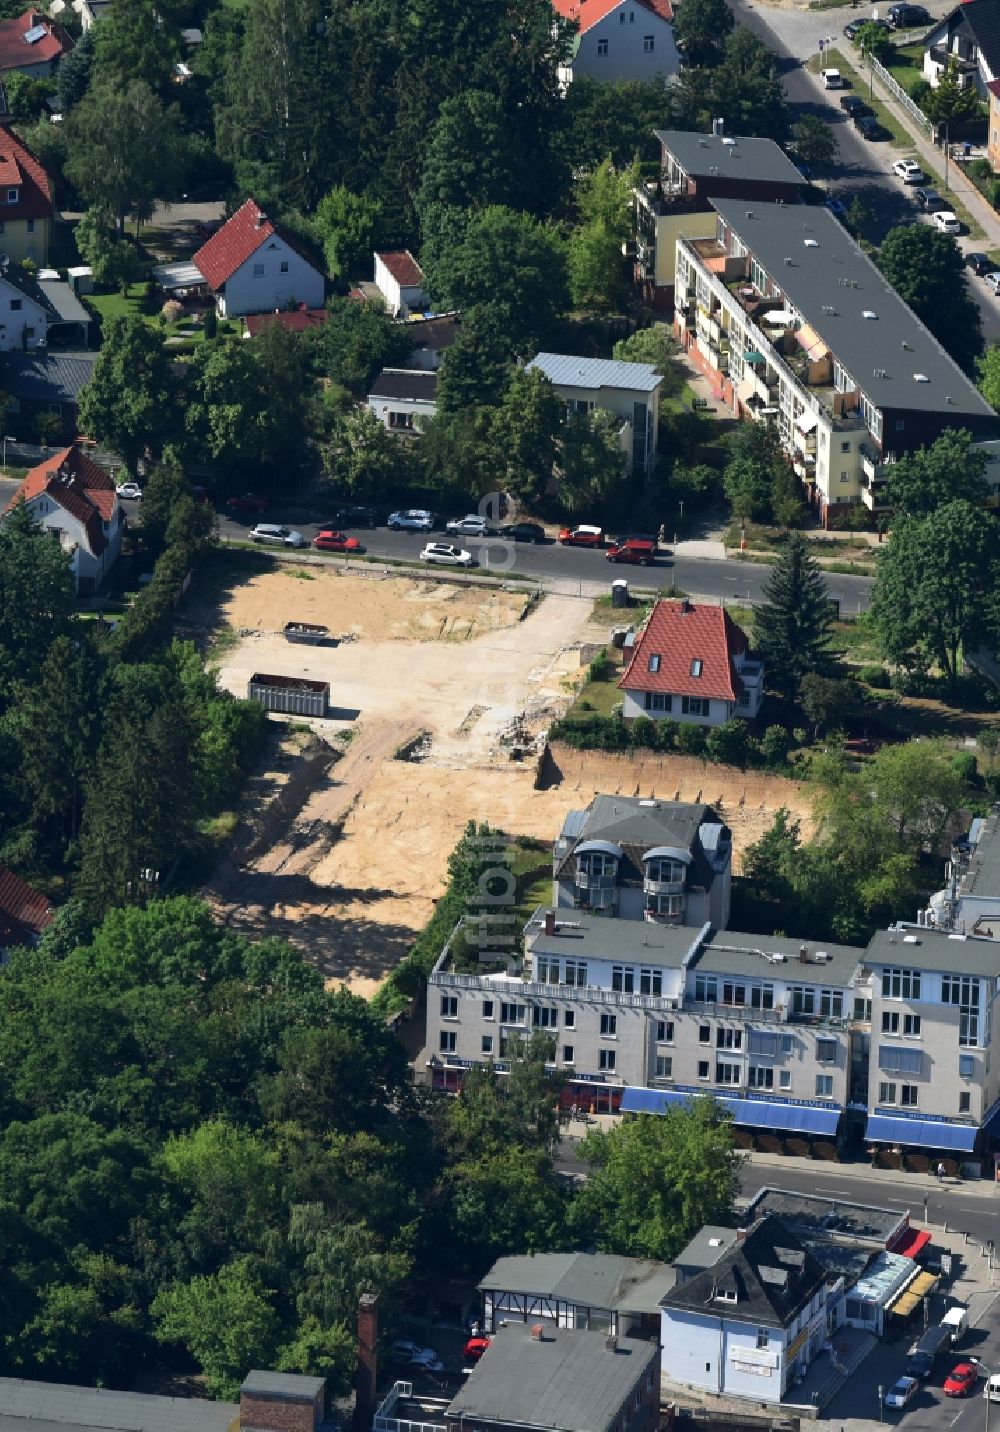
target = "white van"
x: 956, y: 1320
x: 832, y: 79
x: 992, y: 1389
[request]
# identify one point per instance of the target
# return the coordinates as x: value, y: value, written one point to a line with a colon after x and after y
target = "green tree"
x: 27, y: 96
x: 73, y: 74
x: 226, y: 1321
x: 529, y: 419
x: 814, y: 140
x: 133, y: 42
x: 365, y: 460
x: 656, y: 345
x: 926, y: 268
x: 950, y: 101
x: 950, y: 468
x: 592, y: 464
x: 349, y: 225
x: 874, y: 42
x: 655, y: 1180
x: 935, y: 586
x: 477, y: 364
x: 124, y: 150
x: 826, y: 700
x: 130, y: 402
x: 792, y: 626
x: 356, y: 342
x: 36, y: 599
x: 988, y: 367
x: 744, y: 90
x: 729, y: 743
x: 754, y: 461
x: 858, y: 216
x: 614, y: 119
x: 596, y: 267
x: 702, y: 29
x: 470, y: 162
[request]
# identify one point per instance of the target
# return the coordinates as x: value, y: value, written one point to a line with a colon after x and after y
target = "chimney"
x: 281, y: 1400
x: 611, y: 1343
x: 685, y: 606
x: 741, y: 1233
x: 550, y: 922
x: 537, y: 1332
x: 366, y: 1374
x: 803, y: 954
x: 260, y: 219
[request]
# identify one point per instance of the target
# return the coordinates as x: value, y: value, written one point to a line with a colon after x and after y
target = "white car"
x: 946, y: 221
x: 410, y: 1352
x: 470, y: 526
x: 130, y: 490
x: 832, y: 79
x: 909, y: 171
x: 277, y: 536
x: 901, y: 1392
x: 993, y: 279
x: 445, y: 554
x: 992, y: 1389
x: 413, y: 519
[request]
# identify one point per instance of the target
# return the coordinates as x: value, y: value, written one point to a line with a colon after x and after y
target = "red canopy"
x: 912, y: 1243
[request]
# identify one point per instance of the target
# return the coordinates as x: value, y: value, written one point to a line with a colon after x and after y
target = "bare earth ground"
x: 355, y: 873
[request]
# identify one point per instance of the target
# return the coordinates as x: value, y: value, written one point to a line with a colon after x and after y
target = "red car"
x: 961, y: 1380
x: 581, y: 537
x: 475, y: 1348
x: 330, y: 541
x: 248, y: 502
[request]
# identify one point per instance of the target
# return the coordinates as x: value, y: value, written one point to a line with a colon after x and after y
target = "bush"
x: 729, y: 743
x: 774, y: 745
x: 875, y: 676
x: 591, y: 733
x: 601, y: 667
x: 964, y: 763
x: 691, y: 740
x: 642, y: 732
x: 211, y: 323
x: 666, y: 734
x: 172, y: 310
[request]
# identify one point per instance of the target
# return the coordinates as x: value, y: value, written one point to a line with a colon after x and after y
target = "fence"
x: 901, y: 97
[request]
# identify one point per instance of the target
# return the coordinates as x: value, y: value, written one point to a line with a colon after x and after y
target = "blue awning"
x: 754, y: 1113
x: 927, y: 1133
x: 651, y: 1101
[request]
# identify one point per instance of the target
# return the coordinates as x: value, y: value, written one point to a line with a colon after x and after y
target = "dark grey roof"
x: 63, y: 301
x: 828, y: 271
x: 729, y: 952
x: 571, y: 1380
x: 57, y: 1407
x: 809, y: 1215
x: 983, y: 19
x: 583, y: 936
x: 638, y: 825
x: 413, y: 383
x: 46, y: 377
x: 706, y: 1247
x: 753, y: 160
x: 921, y: 948
x: 283, y: 1385
x: 983, y: 875
x: 436, y: 333
x: 770, y: 1272
x: 590, y: 1280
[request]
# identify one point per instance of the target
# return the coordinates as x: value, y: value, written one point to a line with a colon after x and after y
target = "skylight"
x: 696, y: 666
x: 654, y: 661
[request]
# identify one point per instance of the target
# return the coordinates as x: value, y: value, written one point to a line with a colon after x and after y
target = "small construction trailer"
x: 291, y: 695
x: 306, y: 633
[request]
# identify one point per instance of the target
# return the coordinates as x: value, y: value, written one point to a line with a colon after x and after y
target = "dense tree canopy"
x: 926, y: 268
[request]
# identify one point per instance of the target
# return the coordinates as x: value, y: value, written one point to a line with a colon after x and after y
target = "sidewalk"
x: 918, y: 1183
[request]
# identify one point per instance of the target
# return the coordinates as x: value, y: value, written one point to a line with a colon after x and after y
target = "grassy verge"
x: 906, y: 65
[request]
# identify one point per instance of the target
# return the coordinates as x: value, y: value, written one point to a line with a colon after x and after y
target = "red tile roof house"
x: 26, y: 207
x: 253, y: 266
x: 74, y: 497
x: 33, y: 44
x: 693, y: 664
x: 25, y: 914
x: 620, y: 39
x: 400, y: 281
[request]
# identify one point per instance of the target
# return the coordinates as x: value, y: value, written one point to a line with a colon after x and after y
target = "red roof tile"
x: 295, y: 320
x: 16, y: 53
x: 35, y: 198
x: 680, y: 633
x: 24, y: 911
x: 80, y: 486
x: 587, y: 13
x: 403, y: 267
x: 241, y: 236
x: 994, y: 88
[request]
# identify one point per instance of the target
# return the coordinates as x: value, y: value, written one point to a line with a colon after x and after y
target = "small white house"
x: 252, y: 266
x: 400, y: 396
x: 25, y: 312
x: 620, y: 39
x: 631, y: 391
x: 75, y: 498
x: 692, y: 664
x: 400, y: 281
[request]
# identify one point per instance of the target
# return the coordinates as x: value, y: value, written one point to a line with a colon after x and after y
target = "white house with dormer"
x: 619, y: 39
x: 253, y: 266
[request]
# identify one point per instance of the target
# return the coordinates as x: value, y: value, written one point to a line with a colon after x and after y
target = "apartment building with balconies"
x: 969, y: 903
x: 696, y: 168
x: 794, y: 325
x: 666, y: 862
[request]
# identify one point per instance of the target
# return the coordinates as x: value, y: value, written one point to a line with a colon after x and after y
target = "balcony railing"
x: 586, y: 881
x: 525, y: 989
x: 663, y: 887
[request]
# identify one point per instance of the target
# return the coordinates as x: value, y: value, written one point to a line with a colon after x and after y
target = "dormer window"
x: 696, y: 666
x: 726, y: 1295
x: 13, y: 196
x: 654, y: 661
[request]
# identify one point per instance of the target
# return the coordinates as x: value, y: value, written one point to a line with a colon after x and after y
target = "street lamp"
x: 881, y: 1400
x: 6, y: 440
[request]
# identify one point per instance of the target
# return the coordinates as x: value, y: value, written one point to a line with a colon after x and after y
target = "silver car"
x: 413, y: 519
x: 446, y: 555
x: 277, y: 536
x: 470, y: 526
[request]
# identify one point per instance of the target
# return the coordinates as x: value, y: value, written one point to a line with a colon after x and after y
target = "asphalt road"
x: 697, y: 576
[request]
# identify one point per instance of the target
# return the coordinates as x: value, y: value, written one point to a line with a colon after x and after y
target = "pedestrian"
x: 662, y: 535
x: 940, y: 1171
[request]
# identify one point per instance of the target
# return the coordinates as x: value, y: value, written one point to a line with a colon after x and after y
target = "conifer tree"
x: 792, y: 628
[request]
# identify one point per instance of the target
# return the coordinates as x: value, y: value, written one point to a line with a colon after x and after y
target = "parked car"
x: 946, y: 222
x: 470, y: 526
x: 979, y: 263
x: 909, y: 171
x: 475, y: 1348
x: 924, y: 1354
x: 446, y: 555
x: 832, y: 79
x: 907, y: 17
x: 277, y: 536
x: 523, y: 532
x: 356, y: 517
x: 851, y: 104
x: 992, y: 1389
x: 961, y: 1380
x: 869, y: 128
x: 639, y: 551
x: 901, y: 1392
x: 851, y: 29
x: 582, y: 536
x: 993, y: 279
x: 248, y: 502
x: 131, y: 491
x: 328, y: 540
x: 835, y: 205
x: 416, y: 1356
x: 412, y: 519
x: 928, y: 199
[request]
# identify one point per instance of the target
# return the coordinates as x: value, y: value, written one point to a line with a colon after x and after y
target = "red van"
x: 637, y: 550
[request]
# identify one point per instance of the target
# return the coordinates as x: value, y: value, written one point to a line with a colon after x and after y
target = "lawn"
x: 599, y: 697
x: 906, y: 65
x: 134, y: 304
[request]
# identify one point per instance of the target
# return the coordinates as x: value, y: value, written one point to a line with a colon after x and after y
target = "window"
x: 963, y: 991
x: 826, y: 1051
x: 575, y: 973
x: 784, y: 1079
x: 890, y: 1022
x: 30, y: 226
x: 786, y: 1044
x: 544, y: 1016
x: 704, y: 1034
x: 258, y: 270
x: 966, y: 1066
x: 845, y: 477
x: 651, y: 982
x: 862, y: 1007
x: 602, y: 47
x: 824, y: 1086
x: 446, y: 1041
x: 887, y: 1093
x: 664, y: 1066
x: 658, y: 701
x: 762, y: 1041
x: 761, y: 1076
x: 734, y: 992
x: 744, y: 698
x: 400, y: 420
x: 831, y: 1003
x: 900, y: 424
x: 908, y: 1095
x: 894, y: 1059
x: 647, y: 44
x: 569, y: 1018
x: 762, y: 997
x: 664, y: 1031
x: 487, y: 1009
x: 696, y: 666
x: 702, y: 1068
x: 727, y: 1073
x: 903, y: 984
x: 803, y: 999
x: 762, y: 1339
x: 706, y: 990
x: 728, y: 1038
x: 567, y: 1054
x: 283, y: 266
x: 511, y: 1013
x: 694, y: 706
x: 609, y: 1026
x: 654, y: 661
x: 13, y: 195
x: 487, y: 1043
x: 623, y: 978
x: 911, y: 1025
x: 965, y: 1103
x: 15, y: 305
x: 449, y: 1006
x: 606, y: 1060
x: 845, y: 447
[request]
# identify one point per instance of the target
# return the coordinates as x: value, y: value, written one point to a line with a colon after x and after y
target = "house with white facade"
x: 600, y: 1291
x: 253, y: 266
x: 749, y: 1325
x: 400, y: 281
x: 968, y: 40
x: 620, y: 39
x: 399, y: 397
x: 75, y: 499
x: 629, y: 391
x: 25, y: 311
x: 645, y: 860
x: 692, y: 664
